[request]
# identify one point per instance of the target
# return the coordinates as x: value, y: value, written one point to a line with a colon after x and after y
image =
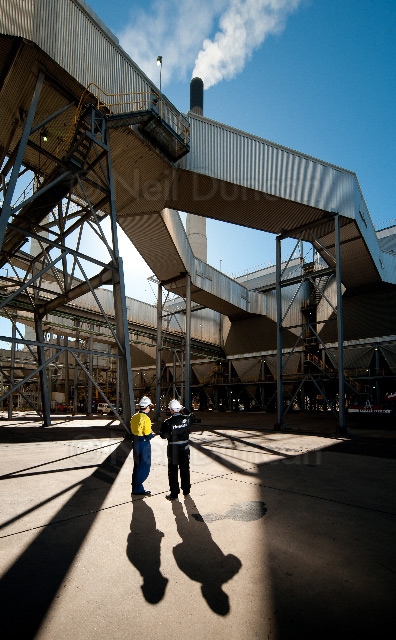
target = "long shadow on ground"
x: 30, y: 585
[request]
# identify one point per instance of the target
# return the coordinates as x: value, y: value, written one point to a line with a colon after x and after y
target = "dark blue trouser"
x: 179, y: 460
x: 142, y: 463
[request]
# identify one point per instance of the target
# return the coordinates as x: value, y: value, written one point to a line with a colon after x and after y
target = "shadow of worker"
x: 201, y: 559
x: 144, y: 551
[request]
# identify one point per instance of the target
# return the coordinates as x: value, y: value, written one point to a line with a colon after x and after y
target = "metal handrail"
x: 118, y: 103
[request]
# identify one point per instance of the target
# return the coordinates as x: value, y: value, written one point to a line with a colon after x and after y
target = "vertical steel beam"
x: 158, y: 355
x: 187, y: 361
x: 340, y: 329
x: 377, y: 373
x: 174, y: 375
x: 90, y: 369
x: 45, y: 399
x: 279, y: 381
x: 1, y: 384
x: 262, y: 386
x: 76, y: 371
x: 12, y: 371
x: 182, y: 377
x: 6, y: 209
x: 117, y: 375
x: 67, y: 373
x: 125, y: 366
x: 120, y: 304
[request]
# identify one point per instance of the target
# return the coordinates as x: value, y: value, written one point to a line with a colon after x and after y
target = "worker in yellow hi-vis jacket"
x: 142, y: 434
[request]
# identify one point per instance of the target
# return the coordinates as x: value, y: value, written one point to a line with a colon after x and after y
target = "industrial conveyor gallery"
x: 117, y: 143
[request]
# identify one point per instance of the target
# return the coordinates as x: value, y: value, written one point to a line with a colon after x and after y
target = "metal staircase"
x: 54, y: 187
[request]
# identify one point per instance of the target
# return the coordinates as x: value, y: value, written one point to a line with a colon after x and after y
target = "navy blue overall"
x: 142, y: 461
x: 176, y: 430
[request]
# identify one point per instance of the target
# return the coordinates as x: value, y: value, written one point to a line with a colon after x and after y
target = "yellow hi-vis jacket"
x: 141, y: 424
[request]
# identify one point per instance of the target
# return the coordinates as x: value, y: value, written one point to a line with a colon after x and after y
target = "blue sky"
x: 318, y: 76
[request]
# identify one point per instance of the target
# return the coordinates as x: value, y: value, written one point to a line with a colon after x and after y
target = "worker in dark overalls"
x: 176, y: 430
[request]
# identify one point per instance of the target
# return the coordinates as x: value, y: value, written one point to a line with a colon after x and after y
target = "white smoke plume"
x: 175, y: 30
x: 225, y: 32
x: 244, y: 25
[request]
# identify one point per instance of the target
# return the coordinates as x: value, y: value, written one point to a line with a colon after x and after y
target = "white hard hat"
x: 175, y: 405
x: 145, y: 402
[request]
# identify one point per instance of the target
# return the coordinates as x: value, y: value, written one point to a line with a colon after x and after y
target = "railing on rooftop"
x: 122, y: 103
x: 385, y: 224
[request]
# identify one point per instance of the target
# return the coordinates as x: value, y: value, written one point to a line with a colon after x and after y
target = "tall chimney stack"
x: 196, y: 225
x: 196, y: 96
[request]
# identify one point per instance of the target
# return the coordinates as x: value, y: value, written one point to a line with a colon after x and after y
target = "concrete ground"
x: 286, y: 534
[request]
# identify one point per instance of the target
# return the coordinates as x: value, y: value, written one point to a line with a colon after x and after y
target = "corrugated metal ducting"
x: 204, y: 371
x: 290, y: 363
x: 233, y: 176
x: 146, y: 313
x: 140, y: 357
x: 387, y: 240
x: 162, y: 241
x: 248, y: 369
x: 355, y: 357
x: 267, y: 167
x: 204, y: 324
x: 61, y: 28
x: 65, y: 27
x: 389, y: 353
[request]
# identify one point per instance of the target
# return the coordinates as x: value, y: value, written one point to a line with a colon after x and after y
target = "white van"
x: 104, y: 407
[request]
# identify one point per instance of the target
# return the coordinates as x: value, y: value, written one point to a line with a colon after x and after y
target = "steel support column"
x: 67, y: 372
x: 121, y: 317
x: 90, y: 369
x: 279, y: 321
x: 76, y: 371
x: 45, y: 399
x: 117, y: 373
x: 187, y: 360
x: 158, y: 354
x: 340, y: 329
x: 126, y: 381
x: 12, y: 372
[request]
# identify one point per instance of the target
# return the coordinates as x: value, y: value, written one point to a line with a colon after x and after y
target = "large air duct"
x: 196, y: 225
